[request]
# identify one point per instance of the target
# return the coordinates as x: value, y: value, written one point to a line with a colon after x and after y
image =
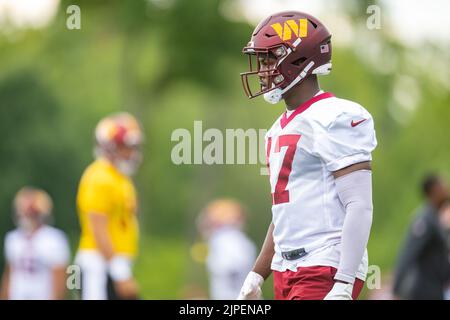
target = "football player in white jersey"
x: 221, y: 223
x: 319, y: 158
x: 36, y: 254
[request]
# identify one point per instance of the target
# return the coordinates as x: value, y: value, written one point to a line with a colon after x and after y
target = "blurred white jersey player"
x: 36, y: 254
x: 230, y: 252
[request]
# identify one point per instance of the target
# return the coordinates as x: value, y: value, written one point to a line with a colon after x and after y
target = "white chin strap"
x: 274, y: 96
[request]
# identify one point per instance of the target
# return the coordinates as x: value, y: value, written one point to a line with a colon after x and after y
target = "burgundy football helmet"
x: 297, y: 44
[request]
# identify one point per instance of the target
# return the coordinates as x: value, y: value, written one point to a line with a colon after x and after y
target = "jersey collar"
x: 305, y: 105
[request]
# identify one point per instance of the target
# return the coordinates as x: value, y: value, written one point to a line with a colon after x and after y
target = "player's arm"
x: 366, y: 165
x: 99, y: 224
x: 59, y: 282
x: 119, y: 267
x: 251, y: 289
x: 264, y: 260
x: 5, y: 283
x: 354, y: 188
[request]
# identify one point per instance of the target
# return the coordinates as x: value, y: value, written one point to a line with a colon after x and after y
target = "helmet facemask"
x: 126, y: 162
x: 263, y: 77
x: 128, y: 165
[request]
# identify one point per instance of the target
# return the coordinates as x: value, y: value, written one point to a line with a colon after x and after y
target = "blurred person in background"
x: 107, y: 208
x: 385, y: 290
x: 36, y: 254
x: 230, y: 252
x: 444, y: 218
x: 423, y: 267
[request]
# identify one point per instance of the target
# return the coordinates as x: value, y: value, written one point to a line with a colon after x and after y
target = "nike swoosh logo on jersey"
x: 355, y: 123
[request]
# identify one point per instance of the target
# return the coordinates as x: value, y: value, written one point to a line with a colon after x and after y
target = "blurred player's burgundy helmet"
x: 118, y: 129
x: 115, y: 132
x: 301, y: 46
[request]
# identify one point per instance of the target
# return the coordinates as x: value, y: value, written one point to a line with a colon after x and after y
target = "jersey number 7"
x: 281, y: 194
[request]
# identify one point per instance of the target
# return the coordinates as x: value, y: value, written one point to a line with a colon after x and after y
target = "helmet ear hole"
x: 313, y: 23
x: 300, y: 61
x: 268, y: 35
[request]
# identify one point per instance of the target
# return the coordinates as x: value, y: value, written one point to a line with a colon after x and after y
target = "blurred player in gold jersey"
x: 107, y: 205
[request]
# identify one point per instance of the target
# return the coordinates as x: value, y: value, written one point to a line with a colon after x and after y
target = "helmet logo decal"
x: 290, y: 26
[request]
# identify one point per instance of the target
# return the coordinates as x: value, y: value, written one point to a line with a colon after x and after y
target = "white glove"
x: 120, y: 268
x: 251, y: 289
x: 340, y: 291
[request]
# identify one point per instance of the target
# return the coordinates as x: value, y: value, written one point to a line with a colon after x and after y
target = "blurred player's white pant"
x: 94, y: 275
x: 230, y: 259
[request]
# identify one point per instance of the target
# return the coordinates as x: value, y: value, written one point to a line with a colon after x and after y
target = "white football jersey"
x: 322, y: 135
x: 230, y: 258
x: 31, y: 260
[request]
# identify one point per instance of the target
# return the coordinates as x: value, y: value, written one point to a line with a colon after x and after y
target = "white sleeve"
x: 355, y: 193
x: 58, y: 249
x: 347, y: 140
x: 8, y: 247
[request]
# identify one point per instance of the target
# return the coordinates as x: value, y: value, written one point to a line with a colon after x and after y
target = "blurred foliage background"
x: 174, y: 62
